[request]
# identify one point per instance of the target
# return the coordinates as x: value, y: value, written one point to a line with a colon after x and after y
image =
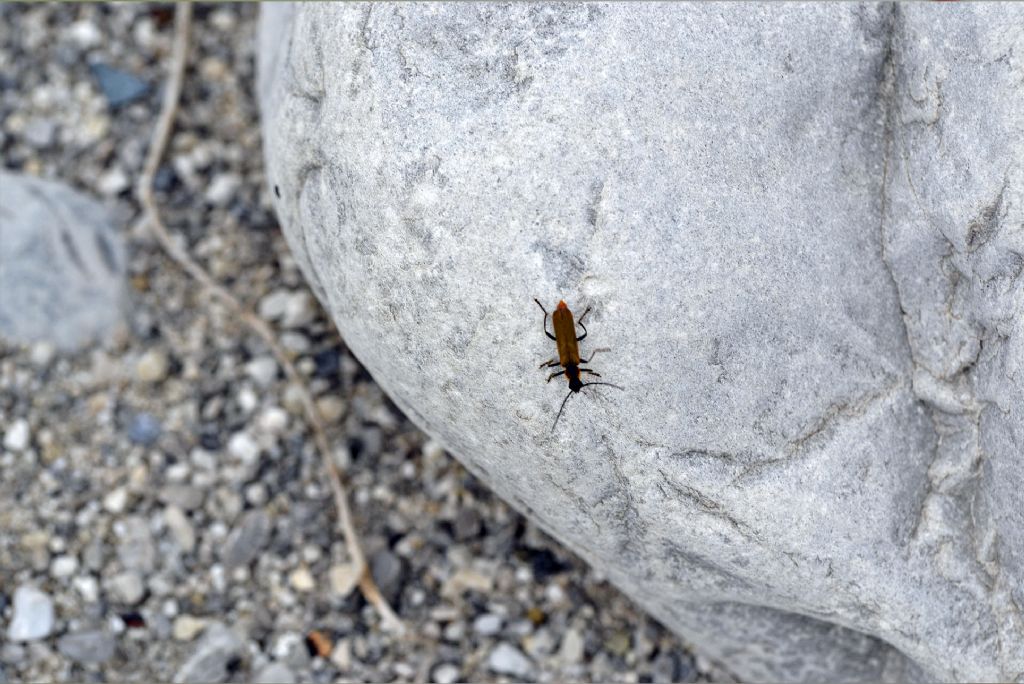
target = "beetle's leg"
x: 548, y: 364
x: 555, y: 375
x: 602, y: 349
x: 545, y: 324
x: 580, y: 323
x: 587, y: 370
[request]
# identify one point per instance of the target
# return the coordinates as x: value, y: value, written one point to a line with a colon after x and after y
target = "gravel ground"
x: 164, y: 513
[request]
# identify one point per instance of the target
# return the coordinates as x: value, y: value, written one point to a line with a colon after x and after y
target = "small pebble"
x: 33, y: 616
x: 152, y: 366
x: 113, y: 182
x: 487, y: 624
x: 94, y: 646
x: 16, y: 437
x: 263, y: 370
x: 222, y: 188
x: 127, y: 588
x: 343, y: 578
x: 445, y: 673
x: 87, y: 587
x: 273, y: 420
x: 302, y: 579
x: 246, y: 540
x: 119, y: 87
x: 274, y: 673
x: 180, y: 527
x: 63, y: 567
x: 331, y: 408
x: 116, y: 500
x: 571, y: 650
x: 243, y: 447
x: 509, y: 660
x: 212, y: 656
x: 40, y: 133
x: 388, y: 572
x: 144, y: 429
x: 85, y: 34
x: 187, y: 627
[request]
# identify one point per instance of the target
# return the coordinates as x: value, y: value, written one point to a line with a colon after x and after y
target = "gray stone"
x: 40, y: 133
x: 246, y: 540
x: 509, y: 660
x: 388, y: 572
x: 119, y: 87
x: 218, y: 647
x: 33, y: 615
x: 96, y: 646
x: 185, y: 497
x: 135, y: 547
x: 144, y: 428
x: 274, y: 673
x: 487, y: 624
x: 127, y: 587
x: 61, y: 265
x: 799, y: 230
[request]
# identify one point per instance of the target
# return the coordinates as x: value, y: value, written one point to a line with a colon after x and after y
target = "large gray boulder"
x: 801, y: 230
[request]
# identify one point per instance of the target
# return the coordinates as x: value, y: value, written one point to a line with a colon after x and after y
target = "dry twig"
x: 145, y: 195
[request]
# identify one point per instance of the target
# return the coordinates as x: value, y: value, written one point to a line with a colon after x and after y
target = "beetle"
x: 568, y: 351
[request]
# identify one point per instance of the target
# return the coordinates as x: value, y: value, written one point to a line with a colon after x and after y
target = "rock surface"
x: 61, y: 264
x: 800, y: 230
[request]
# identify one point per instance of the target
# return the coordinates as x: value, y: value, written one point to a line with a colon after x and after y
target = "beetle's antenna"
x: 588, y: 384
x: 560, y: 409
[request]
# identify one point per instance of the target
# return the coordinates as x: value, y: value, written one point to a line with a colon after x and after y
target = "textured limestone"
x: 800, y: 229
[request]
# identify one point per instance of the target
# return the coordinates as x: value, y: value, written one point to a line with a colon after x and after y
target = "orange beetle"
x: 568, y: 351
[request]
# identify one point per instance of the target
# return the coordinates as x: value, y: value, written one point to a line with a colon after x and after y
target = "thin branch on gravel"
x: 145, y: 195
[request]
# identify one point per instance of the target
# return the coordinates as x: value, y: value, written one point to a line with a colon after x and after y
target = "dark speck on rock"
x: 119, y: 87
x: 144, y: 429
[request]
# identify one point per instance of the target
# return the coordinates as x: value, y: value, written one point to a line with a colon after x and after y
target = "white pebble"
x: 116, y: 500
x: 222, y: 188
x: 301, y: 579
x: 113, y: 182
x: 33, y: 615
x: 63, y: 567
x: 16, y: 438
x: 152, y: 366
x: 273, y: 305
x: 85, y: 34
x: 509, y: 660
x: 186, y: 627
x: 273, y: 420
x: 243, y: 447
x: 446, y: 673
x: 487, y: 625
x: 263, y: 370
x: 87, y: 587
x: 343, y: 578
